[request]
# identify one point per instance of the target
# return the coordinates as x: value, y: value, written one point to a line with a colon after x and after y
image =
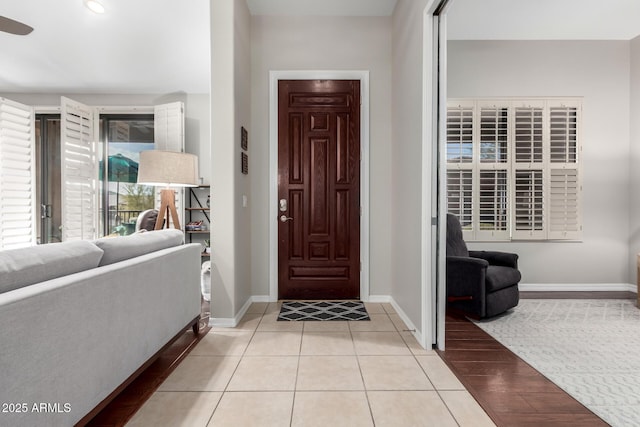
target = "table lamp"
x: 168, y: 169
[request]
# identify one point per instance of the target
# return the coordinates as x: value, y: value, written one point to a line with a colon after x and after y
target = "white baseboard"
x: 378, y: 299
x: 410, y: 326
x: 232, y: 322
x: 577, y: 287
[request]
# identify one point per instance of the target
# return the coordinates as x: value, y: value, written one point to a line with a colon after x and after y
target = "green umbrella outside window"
x: 120, y: 169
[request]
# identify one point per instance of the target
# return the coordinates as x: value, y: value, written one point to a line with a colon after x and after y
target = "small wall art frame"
x: 244, y: 138
x: 244, y: 163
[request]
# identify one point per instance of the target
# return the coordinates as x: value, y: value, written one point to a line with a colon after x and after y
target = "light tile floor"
x: 268, y: 373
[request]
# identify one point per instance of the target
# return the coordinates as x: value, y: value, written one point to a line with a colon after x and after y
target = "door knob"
x: 284, y: 218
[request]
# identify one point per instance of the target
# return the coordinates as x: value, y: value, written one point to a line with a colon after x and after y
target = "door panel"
x: 18, y: 214
x: 319, y: 180
x: 79, y: 178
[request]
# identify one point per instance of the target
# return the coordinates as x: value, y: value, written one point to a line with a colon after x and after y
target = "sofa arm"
x: 504, y: 259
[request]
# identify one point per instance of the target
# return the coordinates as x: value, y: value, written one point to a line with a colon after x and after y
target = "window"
x: 513, y: 170
x: 125, y: 136
x: 59, y: 165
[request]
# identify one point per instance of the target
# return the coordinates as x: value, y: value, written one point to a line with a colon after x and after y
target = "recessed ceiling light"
x: 94, y: 6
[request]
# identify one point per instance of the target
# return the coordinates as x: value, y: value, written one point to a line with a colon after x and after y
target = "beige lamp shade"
x: 168, y: 168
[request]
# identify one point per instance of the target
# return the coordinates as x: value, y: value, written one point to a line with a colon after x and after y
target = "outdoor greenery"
x: 137, y: 197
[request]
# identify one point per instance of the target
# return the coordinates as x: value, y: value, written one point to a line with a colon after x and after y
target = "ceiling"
x: 162, y: 46
x: 543, y: 19
x: 137, y: 46
x: 322, y: 7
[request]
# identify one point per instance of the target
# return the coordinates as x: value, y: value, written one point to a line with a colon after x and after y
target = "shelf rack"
x: 199, y: 211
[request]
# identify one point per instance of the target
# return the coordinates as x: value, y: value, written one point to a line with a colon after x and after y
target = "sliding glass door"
x: 47, y: 132
x: 124, y: 137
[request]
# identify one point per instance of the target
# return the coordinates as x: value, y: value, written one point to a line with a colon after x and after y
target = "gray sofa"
x: 79, y: 319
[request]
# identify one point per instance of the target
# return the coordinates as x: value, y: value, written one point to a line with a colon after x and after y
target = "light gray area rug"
x: 589, y: 348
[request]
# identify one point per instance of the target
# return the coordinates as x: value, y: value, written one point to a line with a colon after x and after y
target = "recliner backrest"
x: 455, y: 242
x: 147, y: 220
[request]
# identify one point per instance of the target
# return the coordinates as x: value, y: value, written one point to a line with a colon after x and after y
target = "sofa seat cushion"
x: 35, y: 264
x: 118, y: 249
x: 499, y: 277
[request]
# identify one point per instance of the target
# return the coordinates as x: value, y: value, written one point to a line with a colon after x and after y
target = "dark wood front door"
x: 318, y: 189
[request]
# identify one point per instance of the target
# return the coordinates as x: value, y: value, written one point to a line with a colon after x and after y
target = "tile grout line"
x: 225, y: 390
x: 364, y: 385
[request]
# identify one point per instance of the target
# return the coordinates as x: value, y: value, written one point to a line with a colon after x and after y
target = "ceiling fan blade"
x: 14, y: 27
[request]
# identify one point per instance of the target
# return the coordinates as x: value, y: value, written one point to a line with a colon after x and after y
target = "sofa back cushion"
x: 120, y: 248
x: 27, y: 266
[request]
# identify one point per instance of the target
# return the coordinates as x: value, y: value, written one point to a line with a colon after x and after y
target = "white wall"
x: 198, y: 132
x: 599, y: 71
x: 230, y: 109
x: 406, y: 158
x: 197, y: 114
x: 634, y: 160
x: 322, y: 43
x: 223, y: 161
x: 242, y: 89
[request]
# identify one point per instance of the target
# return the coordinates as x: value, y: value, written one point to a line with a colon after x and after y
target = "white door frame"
x: 274, y: 77
x: 433, y: 160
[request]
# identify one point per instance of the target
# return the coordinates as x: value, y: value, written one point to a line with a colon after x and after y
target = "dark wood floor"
x: 510, y: 391
x: 125, y: 405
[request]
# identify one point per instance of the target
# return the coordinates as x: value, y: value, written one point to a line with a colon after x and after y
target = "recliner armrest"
x: 466, y: 276
x: 504, y: 259
x: 466, y: 281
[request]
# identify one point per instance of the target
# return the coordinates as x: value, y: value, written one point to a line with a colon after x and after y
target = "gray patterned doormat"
x: 323, y: 310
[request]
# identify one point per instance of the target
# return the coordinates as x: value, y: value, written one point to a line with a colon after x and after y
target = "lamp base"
x: 167, y: 209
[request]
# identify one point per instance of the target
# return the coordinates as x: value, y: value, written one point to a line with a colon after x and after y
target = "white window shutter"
x: 493, y: 205
x: 563, y: 122
x: 528, y: 132
x: 460, y: 155
x: 18, y: 214
x: 524, y: 174
x: 492, y: 185
x: 564, y: 210
x: 169, y: 136
x: 494, y: 130
x: 564, y: 203
x: 528, y: 210
x: 169, y: 126
x: 460, y: 132
x: 460, y: 199
x: 79, y: 163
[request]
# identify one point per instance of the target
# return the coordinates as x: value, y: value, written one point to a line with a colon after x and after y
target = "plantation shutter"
x: 459, y: 164
x: 460, y: 133
x: 493, y: 134
x: 18, y: 218
x: 528, y: 133
x: 492, y: 213
x: 169, y: 126
x: 564, y: 178
x: 513, y: 168
x: 460, y: 197
x: 528, y: 173
x: 493, y: 219
x: 169, y: 136
x: 79, y: 164
x: 529, y: 205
